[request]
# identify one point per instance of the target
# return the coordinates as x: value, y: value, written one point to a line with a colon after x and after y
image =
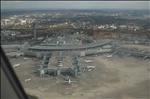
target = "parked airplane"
x: 143, y: 51
x: 90, y: 67
x: 88, y: 61
x: 64, y: 79
x: 83, y: 70
x: 109, y: 56
x: 112, y: 54
x: 16, y: 65
x: 68, y: 81
x: 144, y: 57
x: 25, y: 58
x: 27, y: 80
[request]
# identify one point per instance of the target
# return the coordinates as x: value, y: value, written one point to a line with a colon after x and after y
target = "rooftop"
x: 53, y: 64
x: 98, y: 43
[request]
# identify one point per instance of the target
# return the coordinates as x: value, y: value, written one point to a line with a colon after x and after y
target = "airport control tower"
x: 34, y: 29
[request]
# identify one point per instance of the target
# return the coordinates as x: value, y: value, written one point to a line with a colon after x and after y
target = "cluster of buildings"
x: 16, y: 21
x: 114, y: 27
x: 56, y: 19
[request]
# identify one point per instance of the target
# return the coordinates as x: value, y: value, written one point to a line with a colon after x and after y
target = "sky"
x: 75, y: 4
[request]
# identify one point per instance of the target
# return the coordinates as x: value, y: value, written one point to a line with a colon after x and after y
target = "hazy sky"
x: 75, y: 4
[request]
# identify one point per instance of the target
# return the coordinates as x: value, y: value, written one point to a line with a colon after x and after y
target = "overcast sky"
x: 76, y: 4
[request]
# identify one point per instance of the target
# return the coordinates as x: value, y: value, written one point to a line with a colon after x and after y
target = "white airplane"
x: 68, y: 81
x: 25, y: 58
x: 88, y: 61
x: 83, y: 70
x: 27, y: 80
x: 90, y: 67
x: 143, y: 51
x: 144, y: 57
x: 109, y: 56
x: 112, y: 54
x: 16, y: 65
